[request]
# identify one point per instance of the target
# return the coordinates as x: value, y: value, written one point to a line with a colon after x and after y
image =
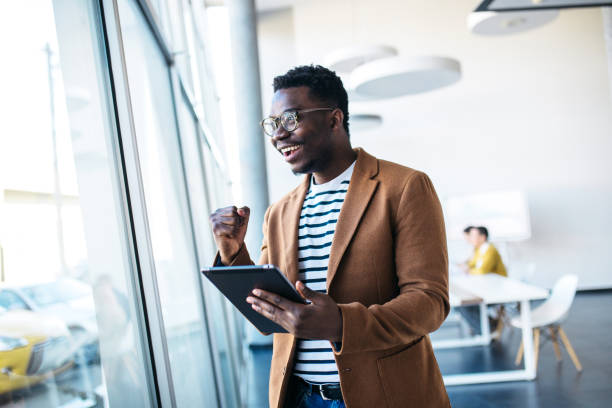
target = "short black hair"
x: 324, y: 84
x: 483, y: 231
x: 467, y: 229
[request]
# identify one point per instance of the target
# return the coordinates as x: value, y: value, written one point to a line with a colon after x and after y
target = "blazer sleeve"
x: 243, y: 257
x: 421, y: 264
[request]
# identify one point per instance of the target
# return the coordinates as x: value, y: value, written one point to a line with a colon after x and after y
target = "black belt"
x: 327, y: 391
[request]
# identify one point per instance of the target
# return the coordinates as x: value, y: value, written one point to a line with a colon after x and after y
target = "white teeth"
x: 289, y: 149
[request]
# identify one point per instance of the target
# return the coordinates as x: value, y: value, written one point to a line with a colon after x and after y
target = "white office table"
x: 486, y: 290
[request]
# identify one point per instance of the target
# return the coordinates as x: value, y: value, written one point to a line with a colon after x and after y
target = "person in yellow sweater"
x: 486, y: 258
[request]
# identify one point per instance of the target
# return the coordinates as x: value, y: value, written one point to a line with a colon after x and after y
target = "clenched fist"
x: 229, y: 227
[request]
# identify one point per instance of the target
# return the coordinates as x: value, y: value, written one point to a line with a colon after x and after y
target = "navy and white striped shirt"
x: 315, y: 361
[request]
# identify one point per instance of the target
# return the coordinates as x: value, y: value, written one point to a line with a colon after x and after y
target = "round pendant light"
x: 349, y: 58
x: 508, y: 22
x: 352, y: 95
x: 399, y: 76
x: 360, y: 122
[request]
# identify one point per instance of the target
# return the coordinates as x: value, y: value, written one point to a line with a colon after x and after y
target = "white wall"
x: 532, y: 112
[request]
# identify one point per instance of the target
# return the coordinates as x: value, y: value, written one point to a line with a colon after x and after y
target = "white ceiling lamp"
x: 517, y: 5
x: 360, y: 122
x: 345, y: 60
x: 399, y: 76
x: 508, y: 22
x: 352, y: 95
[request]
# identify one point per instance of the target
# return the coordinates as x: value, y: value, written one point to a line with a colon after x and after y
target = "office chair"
x: 549, y: 315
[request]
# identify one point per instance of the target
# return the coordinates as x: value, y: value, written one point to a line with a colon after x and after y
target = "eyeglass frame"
x: 277, y: 119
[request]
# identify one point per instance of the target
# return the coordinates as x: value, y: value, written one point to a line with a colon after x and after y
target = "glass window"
x: 64, y: 246
x: 61, y: 290
x: 217, y: 316
x: 9, y: 300
x: 180, y: 47
x: 172, y: 240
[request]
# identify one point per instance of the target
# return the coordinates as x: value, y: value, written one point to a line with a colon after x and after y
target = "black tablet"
x: 237, y: 282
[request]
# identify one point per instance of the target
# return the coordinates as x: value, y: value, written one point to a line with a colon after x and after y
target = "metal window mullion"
x: 199, y: 15
x: 153, y: 21
x: 135, y: 191
x: 210, y: 141
x: 118, y: 158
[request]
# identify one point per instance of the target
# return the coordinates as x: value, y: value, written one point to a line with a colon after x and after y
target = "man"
x: 486, y: 258
x: 363, y: 240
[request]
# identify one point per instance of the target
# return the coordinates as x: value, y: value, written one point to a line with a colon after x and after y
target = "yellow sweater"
x: 486, y: 259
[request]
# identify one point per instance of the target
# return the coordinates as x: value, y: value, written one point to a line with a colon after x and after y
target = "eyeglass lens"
x: 269, y: 126
x: 288, y: 120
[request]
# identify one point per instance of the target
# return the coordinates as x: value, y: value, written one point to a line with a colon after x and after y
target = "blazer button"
x: 346, y: 370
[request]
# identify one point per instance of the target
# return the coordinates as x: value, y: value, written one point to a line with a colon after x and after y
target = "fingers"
x: 319, y: 320
x: 228, y: 221
x: 231, y: 219
x: 308, y: 293
x: 275, y: 307
x: 224, y: 230
x: 244, y: 212
x: 274, y: 299
x: 269, y: 310
x: 238, y: 217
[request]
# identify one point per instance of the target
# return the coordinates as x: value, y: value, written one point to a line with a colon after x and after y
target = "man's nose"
x: 279, y: 134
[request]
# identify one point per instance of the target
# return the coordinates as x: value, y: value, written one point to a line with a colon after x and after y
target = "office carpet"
x: 559, y: 385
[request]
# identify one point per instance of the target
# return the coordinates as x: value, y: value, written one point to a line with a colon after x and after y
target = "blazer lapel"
x: 361, y: 189
x: 290, y: 216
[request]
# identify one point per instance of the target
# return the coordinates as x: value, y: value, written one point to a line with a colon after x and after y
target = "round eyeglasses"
x: 289, y: 120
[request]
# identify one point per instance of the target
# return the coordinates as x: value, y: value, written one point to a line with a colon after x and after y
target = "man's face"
x: 476, y: 238
x: 309, y: 148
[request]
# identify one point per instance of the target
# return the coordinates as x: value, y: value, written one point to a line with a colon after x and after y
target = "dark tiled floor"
x: 558, y: 385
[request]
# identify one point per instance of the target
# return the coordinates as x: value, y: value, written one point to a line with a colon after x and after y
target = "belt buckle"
x: 322, y: 393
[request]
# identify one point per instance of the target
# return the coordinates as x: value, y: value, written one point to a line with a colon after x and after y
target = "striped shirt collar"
x: 345, y: 175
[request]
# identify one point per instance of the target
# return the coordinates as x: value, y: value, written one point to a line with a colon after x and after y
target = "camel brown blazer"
x: 388, y: 271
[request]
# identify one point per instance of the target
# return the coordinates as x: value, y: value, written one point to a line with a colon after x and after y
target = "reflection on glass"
x: 192, y: 149
x: 176, y: 269
x: 58, y: 197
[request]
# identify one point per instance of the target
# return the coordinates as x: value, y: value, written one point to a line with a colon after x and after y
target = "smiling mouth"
x: 286, y: 151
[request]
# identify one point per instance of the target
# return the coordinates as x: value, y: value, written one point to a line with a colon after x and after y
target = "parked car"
x: 67, y: 299
x: 33, y: 348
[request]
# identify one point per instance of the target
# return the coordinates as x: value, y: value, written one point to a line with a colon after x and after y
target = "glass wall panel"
x: 204, y: 41
x: 70, y: 332
x: 182, y: 57
x: 230, y: 330
x: 194, y: 166
x: 172, y: 240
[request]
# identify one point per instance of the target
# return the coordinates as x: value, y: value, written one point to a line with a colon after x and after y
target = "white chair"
x: 549, y: 315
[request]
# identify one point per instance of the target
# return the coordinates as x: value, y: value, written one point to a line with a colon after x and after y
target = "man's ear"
x: 337, y: 118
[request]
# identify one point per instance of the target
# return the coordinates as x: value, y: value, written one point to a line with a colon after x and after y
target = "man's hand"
x: 319, y: 320
x: 229, y: 227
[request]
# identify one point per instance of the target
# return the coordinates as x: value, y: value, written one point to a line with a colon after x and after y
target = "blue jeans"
x: 301, y: 395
